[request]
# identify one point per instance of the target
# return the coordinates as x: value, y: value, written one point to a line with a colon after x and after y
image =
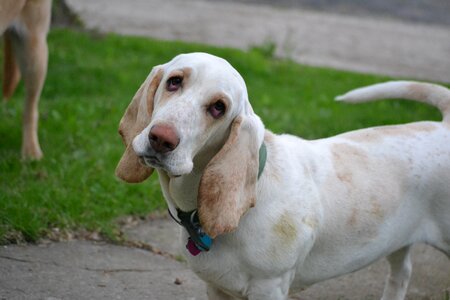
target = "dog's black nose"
x: 163, y: 138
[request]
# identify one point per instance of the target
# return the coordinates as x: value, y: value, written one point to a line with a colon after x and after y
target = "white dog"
x: 266, y: 214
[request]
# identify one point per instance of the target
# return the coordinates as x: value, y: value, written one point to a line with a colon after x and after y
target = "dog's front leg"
x: 216, y: 294
x: 400, y: 273
x: 272, y: 288
x: 258, y: 289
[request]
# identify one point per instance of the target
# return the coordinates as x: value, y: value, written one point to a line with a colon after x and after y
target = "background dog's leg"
x: 34, y: 76
x: 31, y: 46
x: 400, y: 273
x: 10, y: 68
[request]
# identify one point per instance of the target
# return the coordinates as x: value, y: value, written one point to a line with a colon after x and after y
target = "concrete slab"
x: 90, y: 270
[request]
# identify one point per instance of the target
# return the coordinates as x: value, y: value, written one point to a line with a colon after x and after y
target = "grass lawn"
x: 91, y: 80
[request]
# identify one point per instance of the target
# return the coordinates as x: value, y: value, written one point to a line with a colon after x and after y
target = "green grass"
x: 91, y: 80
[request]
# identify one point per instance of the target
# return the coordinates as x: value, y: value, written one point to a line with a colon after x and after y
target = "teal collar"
x: 262, y: 158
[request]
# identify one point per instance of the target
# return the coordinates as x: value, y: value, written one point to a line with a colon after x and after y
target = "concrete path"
x: 91, y: 270
x: 94, y: 270
x: 364, y: 44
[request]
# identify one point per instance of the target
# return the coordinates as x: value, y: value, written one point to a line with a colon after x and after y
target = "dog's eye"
x: 174, y: 83
x: 217, y: 109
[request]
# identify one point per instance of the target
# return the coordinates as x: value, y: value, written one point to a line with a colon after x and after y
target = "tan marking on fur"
x: 285, y: 229
x: 418, y: 91
x: 228, y: 185
x: 219, y: 96
x: 152, y: 90
x: 184, y: 73
x: 311, y: 222
x: 376, y: 134
x: 407, y: 130
x: 344, y: 154
x: 130, y: 168
x: 376, y: 209
x: 209, y: 121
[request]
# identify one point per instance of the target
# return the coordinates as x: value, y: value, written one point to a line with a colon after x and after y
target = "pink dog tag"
x: 192, y: 248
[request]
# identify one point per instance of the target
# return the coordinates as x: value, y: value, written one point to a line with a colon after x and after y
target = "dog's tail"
x: 11, y: 72
x: 433, y: 94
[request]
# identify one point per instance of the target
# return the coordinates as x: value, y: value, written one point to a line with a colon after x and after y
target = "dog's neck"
x: 181, y: 192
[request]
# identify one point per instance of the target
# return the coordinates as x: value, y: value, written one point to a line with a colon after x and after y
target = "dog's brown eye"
x: 217, y: 109
x: 174, y: 83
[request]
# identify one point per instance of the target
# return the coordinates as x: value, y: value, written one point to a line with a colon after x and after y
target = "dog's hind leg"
x: 400, y: 273
x: 11, y: 70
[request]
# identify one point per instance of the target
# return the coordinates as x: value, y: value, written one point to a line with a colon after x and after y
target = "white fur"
x: 324, y: 208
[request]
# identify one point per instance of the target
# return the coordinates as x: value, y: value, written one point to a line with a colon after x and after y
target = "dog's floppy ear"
x: 136, y: 118
x: 228, y: 185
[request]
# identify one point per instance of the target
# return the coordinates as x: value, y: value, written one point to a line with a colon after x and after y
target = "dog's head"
x: 193, y: 112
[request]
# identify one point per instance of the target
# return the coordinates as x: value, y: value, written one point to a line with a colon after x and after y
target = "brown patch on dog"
x: 343, y: 156
x: 152, y: 90
x: 134, y: 120
x: 376, y: 134
x: 228, y: 185
x: 376, y: 209
x: 285, y: 229
x: 311, y: 222
x: 418, y: 91
x: 184, y: 73
x: 408, y: 129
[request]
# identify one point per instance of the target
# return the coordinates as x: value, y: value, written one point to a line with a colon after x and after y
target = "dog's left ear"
x: 228, y: 185
x: 136, y: 118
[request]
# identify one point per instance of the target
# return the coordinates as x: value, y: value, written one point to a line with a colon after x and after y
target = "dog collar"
x: 262, y: 158
x: 198, y: 240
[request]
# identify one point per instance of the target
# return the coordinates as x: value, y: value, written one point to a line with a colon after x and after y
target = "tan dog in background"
x: 25, y: 24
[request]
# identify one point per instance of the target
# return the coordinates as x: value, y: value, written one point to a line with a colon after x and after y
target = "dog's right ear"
x: 136, y: 118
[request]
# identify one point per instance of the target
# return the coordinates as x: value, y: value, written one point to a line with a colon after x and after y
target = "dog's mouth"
x: 151, y: 161
x: 154, y: 162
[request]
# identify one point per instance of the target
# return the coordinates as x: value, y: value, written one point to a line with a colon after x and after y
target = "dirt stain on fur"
x: 286, y: 229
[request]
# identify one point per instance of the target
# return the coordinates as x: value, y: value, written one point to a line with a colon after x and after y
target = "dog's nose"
x: 163, y: 138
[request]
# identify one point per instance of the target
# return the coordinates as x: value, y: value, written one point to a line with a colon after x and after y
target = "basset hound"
x: 265, y: 215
